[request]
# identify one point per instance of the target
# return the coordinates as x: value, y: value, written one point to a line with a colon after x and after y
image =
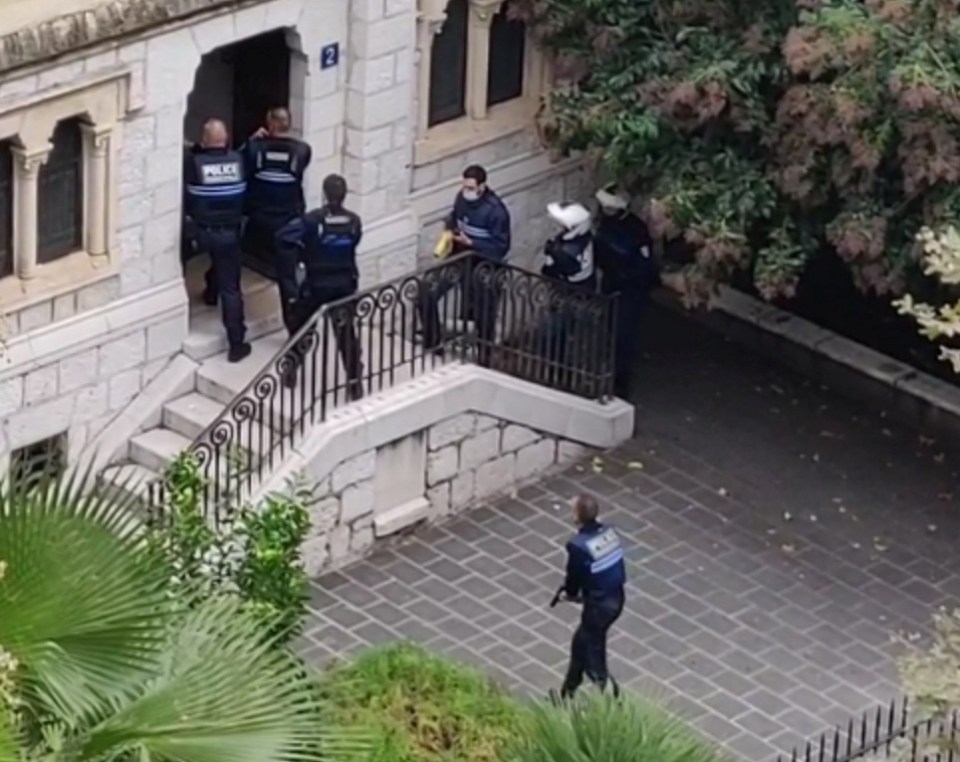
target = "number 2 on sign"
x: 329, y: 55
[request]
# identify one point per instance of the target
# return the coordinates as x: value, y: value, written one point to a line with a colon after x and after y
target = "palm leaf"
x: 82, y: 603
x: 224, y: 694
x: 9, y: 743
x: 599, y: 728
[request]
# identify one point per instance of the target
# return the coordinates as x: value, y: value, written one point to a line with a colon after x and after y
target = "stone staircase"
x: 217, y: 383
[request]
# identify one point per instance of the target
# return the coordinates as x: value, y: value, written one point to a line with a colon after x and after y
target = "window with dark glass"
x: 508, y: 48
x: 60, y: 195
x: 448, y: 67
x: 6, y: 209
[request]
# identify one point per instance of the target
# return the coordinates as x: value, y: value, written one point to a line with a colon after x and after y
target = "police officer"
x: 326, y: 239
x: 215, y: 187
x: 624, y: 250
x: 276, y: 162
x: 568, y: 256
x: 480, y: 222
x: 595, y: 577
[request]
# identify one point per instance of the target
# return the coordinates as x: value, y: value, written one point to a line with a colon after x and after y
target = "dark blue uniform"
x: 596, y: 575
x: 624, y: 251
x: 326, y: 240
x: 571, y: 260
x: 215, y: 188
x: 486, y: 222
x: 275, y: 168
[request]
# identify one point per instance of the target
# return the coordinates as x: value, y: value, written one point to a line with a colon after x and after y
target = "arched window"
x: 448, y: 67
x: 60, y: 195
x: 6, y: 209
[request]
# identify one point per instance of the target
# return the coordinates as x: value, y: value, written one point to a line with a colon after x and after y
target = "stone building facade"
x: 97, y: 99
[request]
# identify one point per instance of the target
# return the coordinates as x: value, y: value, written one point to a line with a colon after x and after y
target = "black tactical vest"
x: 276, y: 177
x: 216, y: 186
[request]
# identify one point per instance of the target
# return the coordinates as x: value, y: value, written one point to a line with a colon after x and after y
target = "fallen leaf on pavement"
x: 635, y: 465
x: 787, y: 516
x: 788, y: 547
x: 722, y: 492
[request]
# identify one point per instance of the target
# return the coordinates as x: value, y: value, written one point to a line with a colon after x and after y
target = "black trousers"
x: 630, y: 310
x: 258, y: 242
x: 223, y: 277
x: 478, y: 303
x: 588, y: 650
x: 340, y: 320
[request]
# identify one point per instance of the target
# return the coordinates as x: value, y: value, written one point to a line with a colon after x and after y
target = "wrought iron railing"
x: 464, y: 309
x: 888, y: 733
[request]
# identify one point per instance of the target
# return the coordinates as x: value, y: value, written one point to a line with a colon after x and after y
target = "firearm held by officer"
x: 215, y: 188
x: 326, y: 241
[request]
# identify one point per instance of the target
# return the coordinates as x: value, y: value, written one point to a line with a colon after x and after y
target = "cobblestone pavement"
x: 778, y: 533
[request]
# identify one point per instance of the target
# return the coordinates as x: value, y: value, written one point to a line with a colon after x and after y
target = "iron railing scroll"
x: 463, y: 309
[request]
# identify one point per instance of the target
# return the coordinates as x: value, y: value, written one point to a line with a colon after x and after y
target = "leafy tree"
x: 762, y: 134
x: 98, y: 661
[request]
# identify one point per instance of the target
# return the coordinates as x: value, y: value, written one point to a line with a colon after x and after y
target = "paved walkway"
x: 780, y: 535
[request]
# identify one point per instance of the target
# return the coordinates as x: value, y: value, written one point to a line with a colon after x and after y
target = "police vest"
x: 333, y: 253
x: 276, y: 176
x: 216, y: 187
x: 605, y: 573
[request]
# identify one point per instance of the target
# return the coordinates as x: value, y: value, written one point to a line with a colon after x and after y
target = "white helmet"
x: 609, y: 198
x: 570, y: 216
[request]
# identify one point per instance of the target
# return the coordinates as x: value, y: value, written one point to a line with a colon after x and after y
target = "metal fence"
x: 463, y: 309
x: 887, y: 733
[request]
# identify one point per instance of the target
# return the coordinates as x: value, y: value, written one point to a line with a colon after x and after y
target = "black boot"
x: 239, y: 352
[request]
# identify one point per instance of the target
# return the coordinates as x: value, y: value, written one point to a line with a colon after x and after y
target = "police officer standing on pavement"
x: 326, y: 240
x: 276, y: 163
x: 215, y: 187
x: 596, y: 575
x: 568, y: 256
x: 624, y: 250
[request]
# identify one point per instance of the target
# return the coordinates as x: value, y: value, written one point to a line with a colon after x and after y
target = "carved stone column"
x: 432, y: 15
x: 98, y: 174
x: 478, y: 54
x: 26, y: 176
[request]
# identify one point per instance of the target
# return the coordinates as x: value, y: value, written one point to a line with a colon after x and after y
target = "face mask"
x: 470, y: 195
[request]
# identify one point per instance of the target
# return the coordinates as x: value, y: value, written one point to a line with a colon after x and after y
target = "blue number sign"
x: 330, y: 55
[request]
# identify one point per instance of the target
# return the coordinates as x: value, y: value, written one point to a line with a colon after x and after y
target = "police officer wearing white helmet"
x: 568, y: 256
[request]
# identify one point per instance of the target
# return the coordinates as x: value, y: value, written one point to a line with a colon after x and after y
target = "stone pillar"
x: 25, y: 195
x: 97, y: 172
x: 478, y: 54
x: 432, y: 16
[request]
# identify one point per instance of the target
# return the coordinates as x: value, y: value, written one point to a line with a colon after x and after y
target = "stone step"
x: 128, y: 480
x: 158, y: 448
x: 207, y: 337
x: 191, y: 414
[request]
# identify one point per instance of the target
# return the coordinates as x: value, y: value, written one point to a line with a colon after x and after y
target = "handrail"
x: 545, y: 331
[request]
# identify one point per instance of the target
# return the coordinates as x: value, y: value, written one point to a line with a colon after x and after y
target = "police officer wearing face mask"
x: 276, y: 162
x: 596, y: 575
x: 480, y: 222
x: 624, y: 250
x: 326, y: 240
x: 569, y: 255
x: 215, y: 187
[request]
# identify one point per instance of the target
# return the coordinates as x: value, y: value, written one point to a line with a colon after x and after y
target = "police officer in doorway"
x: 215, y: 188
x: 624, y: 250
x: 276, y: 162
x: 326, y: 240
x: 596, y: 575
x: 568, y: 256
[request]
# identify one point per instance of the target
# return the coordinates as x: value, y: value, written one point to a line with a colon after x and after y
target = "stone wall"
x: 469, y: 457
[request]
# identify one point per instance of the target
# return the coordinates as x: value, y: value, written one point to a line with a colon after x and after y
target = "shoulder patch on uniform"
x: 605, y: 542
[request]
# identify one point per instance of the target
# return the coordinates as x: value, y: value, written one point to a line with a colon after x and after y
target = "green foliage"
x: 599, y: 728
x: 761, y: 134
x: 420, y: 708
x: 99, y: 662
x: 258, y: 557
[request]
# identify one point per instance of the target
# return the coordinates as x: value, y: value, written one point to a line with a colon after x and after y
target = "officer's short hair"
x: 281, y: 116
x: 475, y: 172
x: 586, y: 508
x: 334, y: 189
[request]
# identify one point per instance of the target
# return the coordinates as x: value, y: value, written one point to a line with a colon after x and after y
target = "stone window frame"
x: 482, y: 123
x: 101, y: 102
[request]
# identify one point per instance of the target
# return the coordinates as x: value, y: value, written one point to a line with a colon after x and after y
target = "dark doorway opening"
x: 238, y: 83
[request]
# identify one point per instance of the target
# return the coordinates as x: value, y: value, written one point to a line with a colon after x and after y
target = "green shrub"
x: 599, y: 728
x: 420, y: 708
